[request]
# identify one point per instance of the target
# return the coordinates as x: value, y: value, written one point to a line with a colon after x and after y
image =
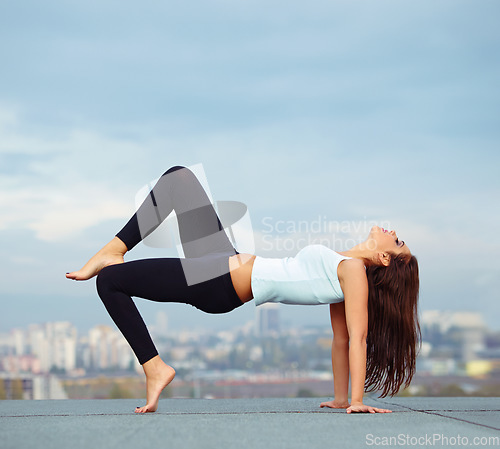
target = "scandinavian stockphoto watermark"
x: 431, y: 439
x: 293, y: 235
x: 176, y: 210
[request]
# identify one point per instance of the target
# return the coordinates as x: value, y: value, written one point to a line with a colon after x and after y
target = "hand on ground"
x: 361, y: 408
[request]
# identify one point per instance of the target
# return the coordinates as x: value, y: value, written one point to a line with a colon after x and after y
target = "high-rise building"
x: 108, y: 349
x: 100, y: 338
x: 54, y: 344
x: 268, y: 319
x: 462, y: 332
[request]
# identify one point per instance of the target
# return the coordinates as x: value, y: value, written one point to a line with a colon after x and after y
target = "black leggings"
x: 201, y: 279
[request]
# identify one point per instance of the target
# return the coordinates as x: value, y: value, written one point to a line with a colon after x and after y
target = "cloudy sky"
x: 329, y: 112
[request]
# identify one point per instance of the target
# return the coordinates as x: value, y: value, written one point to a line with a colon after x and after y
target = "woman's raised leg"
x: 201, y: 234
x: 111, y: 254
x: 200, y: 229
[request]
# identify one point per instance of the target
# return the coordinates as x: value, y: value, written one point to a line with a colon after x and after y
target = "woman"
x: 372, y: 290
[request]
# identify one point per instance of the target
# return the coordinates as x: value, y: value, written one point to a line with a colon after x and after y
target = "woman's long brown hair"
x: 393, y: 330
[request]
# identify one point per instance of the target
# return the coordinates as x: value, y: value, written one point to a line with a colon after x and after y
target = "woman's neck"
x: 360, y: 251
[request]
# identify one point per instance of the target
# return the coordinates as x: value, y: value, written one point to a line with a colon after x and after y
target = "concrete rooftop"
x: 247, y: 423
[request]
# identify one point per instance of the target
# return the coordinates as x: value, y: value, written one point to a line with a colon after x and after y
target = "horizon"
x: 285, y: 325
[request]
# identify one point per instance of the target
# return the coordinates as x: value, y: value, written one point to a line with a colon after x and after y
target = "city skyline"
x: 269, y: 322
x: 55, y: 361
x: 212, y: 324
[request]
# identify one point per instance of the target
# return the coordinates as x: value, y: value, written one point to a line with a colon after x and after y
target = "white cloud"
x: 56, y: 192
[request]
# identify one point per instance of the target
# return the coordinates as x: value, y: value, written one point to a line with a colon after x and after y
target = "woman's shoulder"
x: 351, y: 268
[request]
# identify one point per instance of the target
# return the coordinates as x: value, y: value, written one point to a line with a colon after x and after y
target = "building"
x: 268, y: 319
x: 29, y: 386
x: 453, y: 335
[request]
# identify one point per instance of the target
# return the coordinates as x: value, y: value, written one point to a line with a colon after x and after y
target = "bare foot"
x: 158, y: 376
x: 110, y: 254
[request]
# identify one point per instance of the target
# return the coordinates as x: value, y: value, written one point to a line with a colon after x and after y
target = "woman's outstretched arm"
x: 340, y: 357
x: 355, y: 287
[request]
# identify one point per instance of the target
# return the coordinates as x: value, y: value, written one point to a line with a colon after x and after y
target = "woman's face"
x: 387, y: 242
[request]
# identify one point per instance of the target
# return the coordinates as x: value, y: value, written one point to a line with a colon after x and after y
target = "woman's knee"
x: 179, y: 179
x: 174, y: 169
x: 180, y: 176
x: 106, y: 281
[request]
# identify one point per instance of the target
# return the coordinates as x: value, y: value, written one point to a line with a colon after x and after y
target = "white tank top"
x: 309, y: 278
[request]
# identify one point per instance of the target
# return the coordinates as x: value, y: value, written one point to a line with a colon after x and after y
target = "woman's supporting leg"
x: 111, y: 286
x: 160, y: 280
x: 158, y: 376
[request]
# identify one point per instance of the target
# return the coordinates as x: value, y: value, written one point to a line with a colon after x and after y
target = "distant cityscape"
x: 459, y: 356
